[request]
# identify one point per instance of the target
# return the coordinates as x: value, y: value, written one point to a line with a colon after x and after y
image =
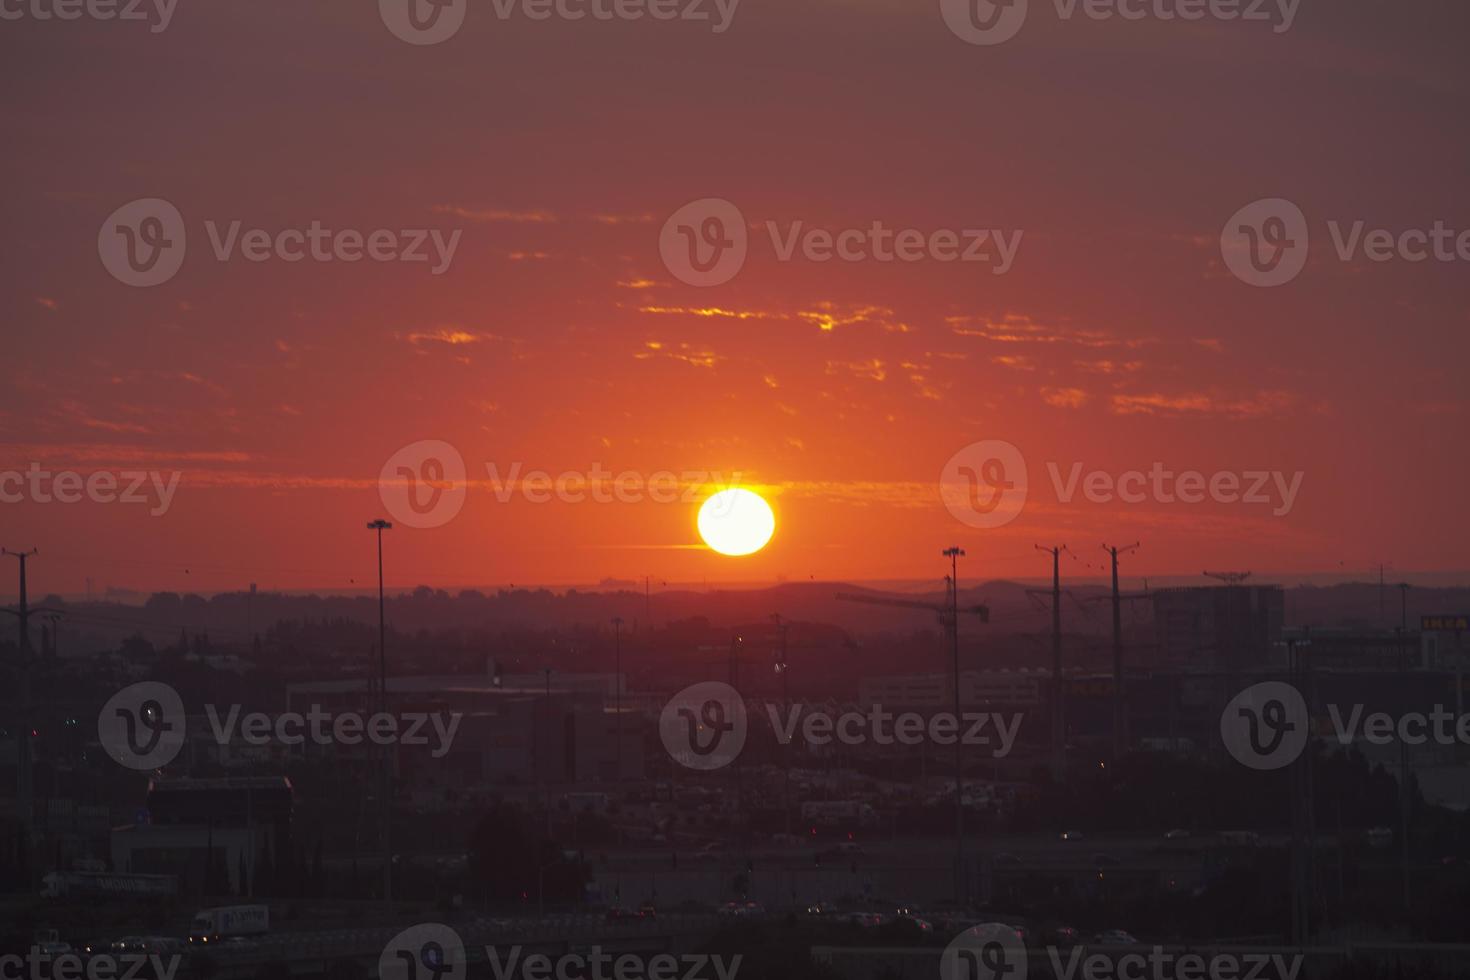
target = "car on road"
x: 1071, y: 835
x: 647, y: 911
x: 741, y: 910
x: 908, y: 915
x: 1114, y: 937
x: 1177, y: 833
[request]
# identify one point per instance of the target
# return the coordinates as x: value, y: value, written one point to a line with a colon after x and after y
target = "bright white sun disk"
x: 736, y: 522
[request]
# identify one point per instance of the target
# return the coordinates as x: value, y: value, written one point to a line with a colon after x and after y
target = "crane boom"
x: 982, y: 611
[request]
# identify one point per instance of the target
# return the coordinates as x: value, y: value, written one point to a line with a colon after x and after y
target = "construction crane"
x: 941, y: 609
x: 1229, y: 578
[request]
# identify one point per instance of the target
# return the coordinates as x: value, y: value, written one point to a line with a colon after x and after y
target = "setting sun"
x: 736, y: 522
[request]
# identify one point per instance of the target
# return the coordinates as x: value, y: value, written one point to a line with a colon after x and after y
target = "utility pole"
x: 784, y: 667
x: 1058, y: 692
x: 617, y: 622
x: 1405, y: 800
x: 24, y: 791
x: 1303, y: 816
x: 385, y: 783
x: 1120, y: 710
x: 960, y: 879
x: 1382, y: 615
x: 737, y: 643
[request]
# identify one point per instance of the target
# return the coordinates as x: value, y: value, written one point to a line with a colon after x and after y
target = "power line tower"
x: 948, y: 613
x: 961, y: 879
x: 1120, y: 710
x: 1058, y: 691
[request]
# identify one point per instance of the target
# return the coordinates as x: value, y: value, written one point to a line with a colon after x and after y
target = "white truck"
x: 217, y: 924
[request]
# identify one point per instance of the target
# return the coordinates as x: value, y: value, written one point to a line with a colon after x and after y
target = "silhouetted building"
x: 210, y: 831
x: 1226, y: 627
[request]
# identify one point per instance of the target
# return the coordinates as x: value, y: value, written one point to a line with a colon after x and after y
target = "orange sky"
x: 558, y: 340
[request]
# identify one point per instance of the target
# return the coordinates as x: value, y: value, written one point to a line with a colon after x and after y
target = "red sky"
x: 558, y: 340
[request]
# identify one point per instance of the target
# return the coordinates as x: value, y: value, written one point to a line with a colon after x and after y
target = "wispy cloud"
x: 497, y: 215
x: 1263, y: 404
